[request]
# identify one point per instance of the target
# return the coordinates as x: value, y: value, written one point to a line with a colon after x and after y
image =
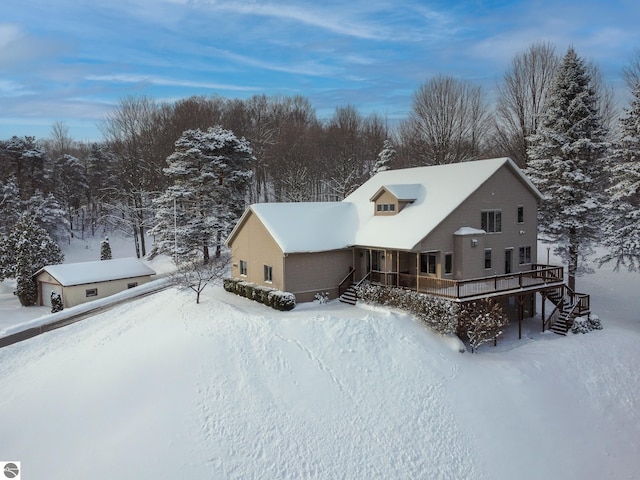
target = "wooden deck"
x: 538, y: 278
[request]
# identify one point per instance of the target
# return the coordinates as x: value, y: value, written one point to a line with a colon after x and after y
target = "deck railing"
x: 539, y: 275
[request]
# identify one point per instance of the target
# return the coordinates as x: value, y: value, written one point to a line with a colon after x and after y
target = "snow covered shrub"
x: 282, y: 301
x: 229, y: 284
x: 261, y: 294
x: 266, y: 295
x: 439, y: 314
x: 322, y: 297
x: 481, y: 322
x: 586, y: 324
x: 56, y: 302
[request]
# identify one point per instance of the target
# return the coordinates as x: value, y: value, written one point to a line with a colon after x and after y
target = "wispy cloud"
x: 166, y: 82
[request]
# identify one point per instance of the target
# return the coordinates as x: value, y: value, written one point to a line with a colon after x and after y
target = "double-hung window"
x: 491, y: 221
x: 487, y: 258
x: 525, y: 255
x: 243, y: 268
x: 268, y: 273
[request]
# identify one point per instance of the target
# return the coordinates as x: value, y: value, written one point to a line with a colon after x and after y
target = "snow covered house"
x: 82, y: 282
x: 462, y: 231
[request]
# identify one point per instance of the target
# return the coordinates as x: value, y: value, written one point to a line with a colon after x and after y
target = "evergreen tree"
x: 10, y: 205
x: 566, y: 164
x: 27, y: 249
x: 105, y: 249
x: 50, y: 215
x: 385, y: 157
x: 622, y: 224
x: 210, y: 174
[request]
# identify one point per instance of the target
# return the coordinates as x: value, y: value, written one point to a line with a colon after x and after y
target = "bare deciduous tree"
x: 448, y: 121
x: 521, y: 99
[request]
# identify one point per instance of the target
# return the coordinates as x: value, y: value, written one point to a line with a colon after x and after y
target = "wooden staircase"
x: 349, y: 296
x: 569, y: 305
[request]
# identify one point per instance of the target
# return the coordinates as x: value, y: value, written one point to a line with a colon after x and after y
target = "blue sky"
x: 73, y: 60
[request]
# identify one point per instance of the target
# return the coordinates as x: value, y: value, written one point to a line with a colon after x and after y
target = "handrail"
x: 344, y: 280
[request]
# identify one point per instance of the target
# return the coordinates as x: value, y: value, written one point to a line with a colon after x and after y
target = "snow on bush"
x: 482, y: 321
x: 586, y: 324
x: 268, y: 296
x: 439, y: 314
x: 56, y: 302
x: 322, y: 297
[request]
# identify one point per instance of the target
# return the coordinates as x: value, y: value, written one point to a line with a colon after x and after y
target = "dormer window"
x: 391, y: 199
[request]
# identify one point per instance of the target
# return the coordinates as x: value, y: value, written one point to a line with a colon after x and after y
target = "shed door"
x: 47, y: 288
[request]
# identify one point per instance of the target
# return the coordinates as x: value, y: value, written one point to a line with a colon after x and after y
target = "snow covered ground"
x: 163, y: 388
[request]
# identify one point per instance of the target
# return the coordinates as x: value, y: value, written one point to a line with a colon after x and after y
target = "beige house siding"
x: 386, y: 198
x: 77, y: 294
x: 309, y: 273
x: 254, y: 245
x: 504, y: 191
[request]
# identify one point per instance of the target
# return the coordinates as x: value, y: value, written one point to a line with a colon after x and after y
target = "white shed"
x: 82, y: 282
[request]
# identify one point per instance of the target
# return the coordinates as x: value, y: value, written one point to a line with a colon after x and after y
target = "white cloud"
x: 166, y: 82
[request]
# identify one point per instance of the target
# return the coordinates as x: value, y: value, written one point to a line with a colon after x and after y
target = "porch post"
x: 417, y: 272
x: 544, y: 300
x: 397, y: 268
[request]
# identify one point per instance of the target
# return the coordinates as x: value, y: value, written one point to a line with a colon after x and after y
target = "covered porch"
x: 432, y: 273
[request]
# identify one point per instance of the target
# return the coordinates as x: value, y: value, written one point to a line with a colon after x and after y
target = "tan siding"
x: 76, y: 294
x: 256, y: 246
x: 311, y: 273
x: 386, y: 198
x: 505, y: 192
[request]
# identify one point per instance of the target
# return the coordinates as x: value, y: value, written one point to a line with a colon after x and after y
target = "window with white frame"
x: 487, y: 258
x: 91, y: 292
x: 491, y: 221
x: 268, y: 273
x: 520, y: 214
x: 243, y: 268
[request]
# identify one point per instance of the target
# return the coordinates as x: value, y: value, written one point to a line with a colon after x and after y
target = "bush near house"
x: 439, y: 314
x: 271, y: 297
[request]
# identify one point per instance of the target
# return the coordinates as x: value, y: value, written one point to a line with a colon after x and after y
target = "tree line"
x: 121, y: 183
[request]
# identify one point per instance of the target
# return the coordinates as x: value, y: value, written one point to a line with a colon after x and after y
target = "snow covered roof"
x: 404, y: 192
x: 307, y: 226
x: 69, y: 274
x: 443, y: 189
x: 435, y: 192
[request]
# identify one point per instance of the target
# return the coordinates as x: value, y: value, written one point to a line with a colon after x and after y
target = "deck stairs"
x: 349, y: 296
x: 565, y: 312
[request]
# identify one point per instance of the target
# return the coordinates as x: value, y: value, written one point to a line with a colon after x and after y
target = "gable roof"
x: 444, y: 188
x: 305, y: 226
x: 69, y: 274
x: 436, y: 192
x: 403, y: 192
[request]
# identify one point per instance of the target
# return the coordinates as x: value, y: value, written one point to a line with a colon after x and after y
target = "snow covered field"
x: 163, y: 388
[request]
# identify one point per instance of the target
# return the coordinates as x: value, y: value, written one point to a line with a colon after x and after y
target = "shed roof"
x: 69, y: 274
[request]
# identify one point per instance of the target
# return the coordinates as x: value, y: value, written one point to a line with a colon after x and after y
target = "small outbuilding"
x: 82, y: 282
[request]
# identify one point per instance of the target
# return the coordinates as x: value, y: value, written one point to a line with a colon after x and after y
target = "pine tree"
x: 209, y: 174
x: 105, y: 249
x: 622, y: 224
x: 50, y: 215
x: 10, y: 204
x: 567, y: 157
x: 26, y: 250
x: 385, y: 157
